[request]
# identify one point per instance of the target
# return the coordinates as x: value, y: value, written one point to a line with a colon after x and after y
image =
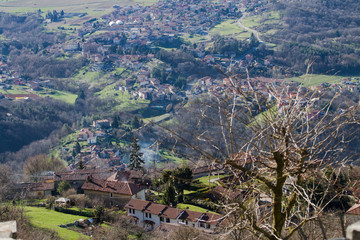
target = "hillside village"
x: 116, y: 173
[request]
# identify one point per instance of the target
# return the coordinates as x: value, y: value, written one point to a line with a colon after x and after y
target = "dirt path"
x: 256, y: 33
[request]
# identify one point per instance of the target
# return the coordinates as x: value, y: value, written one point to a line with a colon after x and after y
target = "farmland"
x: 81, y: 10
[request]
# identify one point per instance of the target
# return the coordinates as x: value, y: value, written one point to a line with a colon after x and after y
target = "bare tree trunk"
x: 302, y: 234
x: 342, y: 222
x: 322, y: 228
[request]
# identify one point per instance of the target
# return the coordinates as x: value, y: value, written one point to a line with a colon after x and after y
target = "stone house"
x: 112, y: 193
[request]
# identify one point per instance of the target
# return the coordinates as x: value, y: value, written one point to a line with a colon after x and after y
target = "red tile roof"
x: 137, y: 204
x: 173, y: 213
x: 125, y: 188
x: 82, y: 174
x: 354, y: 210
x: 191, y: 215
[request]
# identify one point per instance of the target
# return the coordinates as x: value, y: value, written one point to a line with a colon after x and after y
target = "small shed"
x: 62, y: 201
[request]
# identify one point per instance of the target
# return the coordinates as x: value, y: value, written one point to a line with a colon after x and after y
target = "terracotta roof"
x: 191, y: 215
x: 212, y: 218
x: 125, y: 188
x: 44, y: 186
x: 82, y: 174
x: 126, y: 175
x: 171, y: 212
x: 155, y: 208
x: 41, y: 186
x: 137, y: 204
x: 354, y: 210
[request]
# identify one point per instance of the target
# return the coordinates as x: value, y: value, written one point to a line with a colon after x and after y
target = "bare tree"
x: 282, y: 140
x: 6, y: 181
x: 35, y: 165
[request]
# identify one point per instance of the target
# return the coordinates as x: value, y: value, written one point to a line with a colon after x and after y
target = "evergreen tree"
x: 135, y: 122
x: 63, y: 187
x: 81, y: 165
x: 169, y: 195
x: 77, y: 148
x: 115, y: 123
x: 135, y: 156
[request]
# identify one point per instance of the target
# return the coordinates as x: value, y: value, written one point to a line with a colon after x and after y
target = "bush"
x: 63, y: 187
x: 80, y: 200
x: 74, y: 212
x: 69, y: 192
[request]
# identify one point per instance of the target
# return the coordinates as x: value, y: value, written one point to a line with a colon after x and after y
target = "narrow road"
x: 256, y: 33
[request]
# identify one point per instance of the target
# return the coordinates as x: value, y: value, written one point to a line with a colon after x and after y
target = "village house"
x: 151, y: 215
x: 77, y: 177
x: 112, y: 193
x: 104, y: 123
x: 85, y: 134
x: 37, y: 190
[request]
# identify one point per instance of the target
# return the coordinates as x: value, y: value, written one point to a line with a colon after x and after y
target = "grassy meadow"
x: 49, y: 219
x: 316, y: 79
x: 232, y: 28
x: 82, y: 10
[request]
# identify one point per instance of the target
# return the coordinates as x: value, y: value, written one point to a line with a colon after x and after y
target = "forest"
x: 322, y: 33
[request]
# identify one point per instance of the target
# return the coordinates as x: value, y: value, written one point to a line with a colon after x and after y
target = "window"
x: 133, y: 211
x: 149, y: 215
x: 161, y: 219
x: 167, y: 220
x: 202, y: 225
x: 186, y: 222
x: 130, y: 210
x: 146, y: 215
x: 111, y: 195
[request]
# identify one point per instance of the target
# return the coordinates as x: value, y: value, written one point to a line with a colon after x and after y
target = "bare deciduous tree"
x: 282, y: 140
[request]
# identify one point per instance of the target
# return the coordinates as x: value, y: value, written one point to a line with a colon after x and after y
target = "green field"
x: 46, y: 92
x: 89, y: 9
x: 15, y: 90
x: 58, y: 95
x: 170, y: 157
x: 124, y: 101
x: 205, y: 180
x: 193, y: 208
x: 316, y: 79
x: 92, y: 8
x: 49, y: 219
x: 268, y: 18
x: 266, y: 23
x: 230, y: 27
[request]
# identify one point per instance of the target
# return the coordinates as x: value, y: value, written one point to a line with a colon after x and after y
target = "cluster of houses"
x: 151, y: 215
x: 123, y: 189
x: 111, y: 187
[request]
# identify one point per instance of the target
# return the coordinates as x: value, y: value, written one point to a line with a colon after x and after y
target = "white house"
x: 151, y: 215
